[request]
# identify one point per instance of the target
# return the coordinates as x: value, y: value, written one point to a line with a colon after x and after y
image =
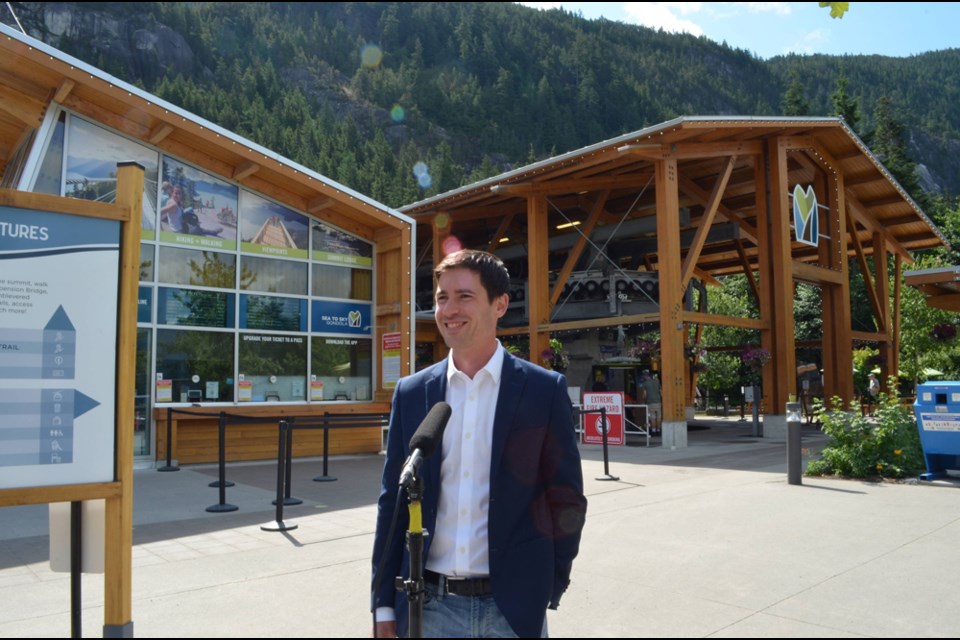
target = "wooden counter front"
x: 195, y: 435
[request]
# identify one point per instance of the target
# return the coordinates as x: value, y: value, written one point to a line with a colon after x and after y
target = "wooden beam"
x: 687, y: 151
x: 700, y: 195
x: 244, y: 170
x: 867, y: 220
x: 747, y: 270
x: 713, y: 203
x: 160, y: 132
x: 868, y: 336
x: 598, y: 323
x: 20, y: 107
x: 500, y: 233
x: 66, y: 86
x: 572, y: 185
x: 947, y: 302
x: 574, y: 255
x: 865, y: 271
x: 815, y: 274
x: 43, y: 202
x: 319, y: 203
x: 724, y: 321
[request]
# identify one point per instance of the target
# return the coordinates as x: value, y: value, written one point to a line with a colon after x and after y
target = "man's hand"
x: 387, y: 629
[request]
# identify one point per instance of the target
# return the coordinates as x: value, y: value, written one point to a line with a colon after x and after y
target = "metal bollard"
x: 794, y: 471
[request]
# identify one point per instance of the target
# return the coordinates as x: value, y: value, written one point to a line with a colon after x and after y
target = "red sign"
x: 592, y: 421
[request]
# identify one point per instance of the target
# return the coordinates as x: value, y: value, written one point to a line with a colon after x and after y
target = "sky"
x: 770, y: 29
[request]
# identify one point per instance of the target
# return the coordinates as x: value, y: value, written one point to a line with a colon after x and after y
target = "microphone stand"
x: 415, y: 534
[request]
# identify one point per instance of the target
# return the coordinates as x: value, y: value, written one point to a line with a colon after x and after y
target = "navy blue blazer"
x: 537, y: 507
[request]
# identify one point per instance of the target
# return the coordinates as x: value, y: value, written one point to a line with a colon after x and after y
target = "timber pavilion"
x: 618, y: 233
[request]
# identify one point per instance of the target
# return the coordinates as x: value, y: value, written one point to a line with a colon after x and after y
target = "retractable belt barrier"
x: 285, y: 453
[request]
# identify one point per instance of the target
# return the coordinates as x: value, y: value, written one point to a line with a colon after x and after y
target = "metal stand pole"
x: 278, y: 524
x: 794, y: 472
x: 606, y: 459
x: 222, y: 506
x: 169, y: 466
x: 76, y: 568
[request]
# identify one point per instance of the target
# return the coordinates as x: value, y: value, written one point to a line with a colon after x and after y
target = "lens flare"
x: 420, y: 169
x: 425, y: 181
x: 397, y: 113
x: 451, y: 244
x: 371, y: 55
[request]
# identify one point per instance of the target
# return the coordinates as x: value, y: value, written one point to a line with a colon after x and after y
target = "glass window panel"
x: 333, y: 245
x: 198, y: 268
x: 195, y: 308
x: 273, y: 276
x: 142, y: 404
x: 51, y: 167
x: 273, y: 367
x: 92, y: 159
x: 146, y: 262
x: 197, y: 209
x: 208, y: 355
x: 342, y: 282
x: 273, y: 313
x: 341, y: 368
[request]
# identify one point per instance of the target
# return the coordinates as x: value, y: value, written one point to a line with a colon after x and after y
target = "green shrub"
x: 886, y: 444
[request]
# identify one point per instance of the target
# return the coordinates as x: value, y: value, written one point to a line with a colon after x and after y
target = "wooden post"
x: 672, y: 357
x: 538, y: 276
x: 783, y: 364
x: 118, y: 615
x: 882, y: 277
x: 837, y: 339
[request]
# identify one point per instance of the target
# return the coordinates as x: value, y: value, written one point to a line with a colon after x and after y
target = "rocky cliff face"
x: 144, y: 47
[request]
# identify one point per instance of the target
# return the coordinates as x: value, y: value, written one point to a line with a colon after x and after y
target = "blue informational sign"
x: 341, y: 317
x: 58, y: 341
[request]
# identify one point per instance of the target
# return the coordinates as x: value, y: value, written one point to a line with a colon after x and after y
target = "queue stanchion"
x: 278, y: 524
x: 606, y: 457
x: 326, y: 451
x: 222, y: 506
x: 169, y: 467
x: 288, y: 466
x: 222, y: 459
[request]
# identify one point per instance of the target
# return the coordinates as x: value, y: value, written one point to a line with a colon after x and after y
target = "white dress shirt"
x: 460, y: 546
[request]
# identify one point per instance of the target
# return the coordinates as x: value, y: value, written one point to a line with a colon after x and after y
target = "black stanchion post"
x: 222, y: 506
x: 606, y: 458
x: 288, y: 477
x: 169, y: 466
x: 278, y: 524
x: 326, y: 450
x: 76, y: 568
x: 222, y: 444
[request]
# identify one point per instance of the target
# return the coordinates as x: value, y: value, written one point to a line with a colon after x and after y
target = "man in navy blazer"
x: 503, y: 501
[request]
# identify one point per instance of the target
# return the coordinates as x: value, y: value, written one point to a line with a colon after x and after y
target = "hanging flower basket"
x: 944, y: 332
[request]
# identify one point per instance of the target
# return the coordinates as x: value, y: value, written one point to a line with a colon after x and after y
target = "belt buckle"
x: 446, y: 584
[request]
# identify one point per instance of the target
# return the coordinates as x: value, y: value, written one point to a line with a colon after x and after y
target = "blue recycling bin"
x: 937, y: 408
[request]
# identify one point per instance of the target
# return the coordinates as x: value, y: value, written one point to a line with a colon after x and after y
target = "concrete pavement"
x: 709, y: 540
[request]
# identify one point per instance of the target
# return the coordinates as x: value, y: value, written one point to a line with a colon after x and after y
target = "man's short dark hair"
x: 493, y: 273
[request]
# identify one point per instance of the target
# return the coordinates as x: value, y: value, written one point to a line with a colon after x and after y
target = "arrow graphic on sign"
x: 40, y: 354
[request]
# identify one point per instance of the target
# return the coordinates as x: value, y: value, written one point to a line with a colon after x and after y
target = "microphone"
x: 425, y: 441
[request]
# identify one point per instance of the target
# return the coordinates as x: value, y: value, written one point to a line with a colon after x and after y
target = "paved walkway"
x: 710, y: 540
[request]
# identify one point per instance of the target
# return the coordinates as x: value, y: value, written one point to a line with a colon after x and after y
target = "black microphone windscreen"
x: 430, y: 432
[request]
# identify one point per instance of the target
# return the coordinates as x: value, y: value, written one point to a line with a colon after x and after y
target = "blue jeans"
x: 446, y: 616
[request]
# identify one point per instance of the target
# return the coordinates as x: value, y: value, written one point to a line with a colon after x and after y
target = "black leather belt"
x: 459, y: 586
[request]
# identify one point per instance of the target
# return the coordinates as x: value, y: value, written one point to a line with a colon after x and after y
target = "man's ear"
x: 500, y: 304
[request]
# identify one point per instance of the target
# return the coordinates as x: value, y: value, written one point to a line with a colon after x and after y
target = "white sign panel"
x: 940, y: 421
x: 58, y: 341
